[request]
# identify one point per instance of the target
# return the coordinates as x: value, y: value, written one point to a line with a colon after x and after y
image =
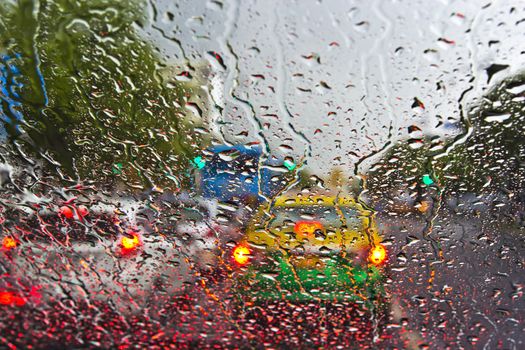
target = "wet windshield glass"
x: 262, y: 174
x: 327, y: 216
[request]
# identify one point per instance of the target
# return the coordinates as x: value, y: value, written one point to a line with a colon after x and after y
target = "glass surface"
x: 158, y: 159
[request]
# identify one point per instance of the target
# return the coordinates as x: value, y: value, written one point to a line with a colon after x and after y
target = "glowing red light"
x: 130, y: 244
x: 304, y: 229
x: 377, y: 255
x: 10, y: 298
x: 82, y: 211
x: 6, y: 298
x: 9, y: 243
x: 241, y: 254
x: 66, y: 212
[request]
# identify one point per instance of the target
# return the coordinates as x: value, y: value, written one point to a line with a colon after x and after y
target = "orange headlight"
x: 241, y: 254
x: 377, y: 255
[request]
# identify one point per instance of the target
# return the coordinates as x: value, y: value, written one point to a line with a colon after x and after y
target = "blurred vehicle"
x: 311, y: 247
x: 237, y: 173
x: 117, y: 249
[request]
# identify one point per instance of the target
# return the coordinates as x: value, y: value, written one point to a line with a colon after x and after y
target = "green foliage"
x: 491, y: 158
x: 93, y: 94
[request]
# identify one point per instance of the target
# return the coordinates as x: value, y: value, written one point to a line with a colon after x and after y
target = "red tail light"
x: 66, y: 212
x: 9, y: 243
x: 11, y: 298
x: 377, y: 255
x: 305, y: 229
x: 241, y: 254
x: 130, y: 244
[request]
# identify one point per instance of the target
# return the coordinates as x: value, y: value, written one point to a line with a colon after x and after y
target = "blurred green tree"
x: 491, y: 158
x: 95, y: 102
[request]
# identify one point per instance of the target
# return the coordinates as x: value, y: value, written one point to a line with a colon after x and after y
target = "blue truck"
x: 236, y: 173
